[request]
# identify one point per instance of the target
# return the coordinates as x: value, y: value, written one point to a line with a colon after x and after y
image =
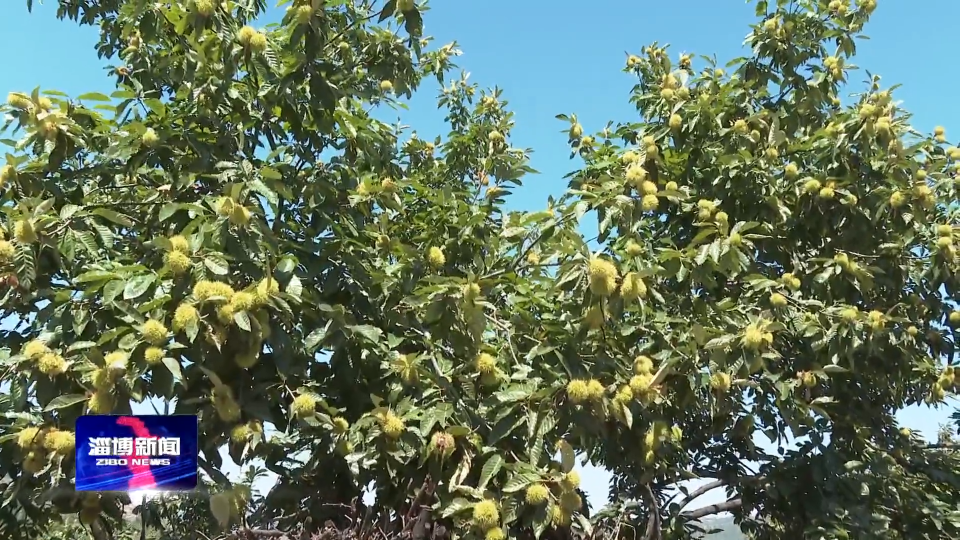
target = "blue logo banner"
x: 135, y: 453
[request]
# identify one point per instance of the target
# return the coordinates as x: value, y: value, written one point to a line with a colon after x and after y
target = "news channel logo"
x: 137, y: 453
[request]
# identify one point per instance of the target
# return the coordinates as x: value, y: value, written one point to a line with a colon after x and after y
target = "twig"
x: 336, y: 38
x: 256, y: 533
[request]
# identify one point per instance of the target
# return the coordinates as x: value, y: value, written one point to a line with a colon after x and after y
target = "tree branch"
x: 257, y: 533
x: 732, y: 504
x: 700, y: 491
x: 719, y: 483
x: 653, y: 521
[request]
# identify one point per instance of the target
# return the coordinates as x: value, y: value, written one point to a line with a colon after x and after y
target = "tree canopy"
x: 235, y: 231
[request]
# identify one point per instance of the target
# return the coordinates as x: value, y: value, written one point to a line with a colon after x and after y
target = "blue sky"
x: 562, y: 56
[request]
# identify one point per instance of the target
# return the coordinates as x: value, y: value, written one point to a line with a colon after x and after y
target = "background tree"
x: 237, y: 231
x: 802, y: 249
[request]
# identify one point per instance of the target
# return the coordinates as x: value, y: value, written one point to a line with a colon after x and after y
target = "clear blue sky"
x: 563, y: 56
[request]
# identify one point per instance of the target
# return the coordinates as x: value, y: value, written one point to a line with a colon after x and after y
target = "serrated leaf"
x: 516, y: 393
x: 62, y: 402
x: 490, y: 470
x: 457, y: 505
x: 294, y: 288
x: 510, y: 507
x: 167, y: 211
x: 370, y: 333
x: 286, y: 265
x: 504, y: 426
x: 314, y: 339
x: 137, y: 286
x: 568, y: 457
x: 270, y: 173
x: 520, y: 481
x: 113, y: 216
x: 541, y: 520
x: 262, y: 189
x: 216, y: 265
x: 113, y: 290
x: 585, y: 525
x: 388, y: 9
x: 93, y: 96
x: 81, y: 345
x: 174, y: 366
x: 105, y: 234
x: 832, y: 369
x: 462, y: 470
x: 95, y: 275
x: 720, y: 342
x: 68, y: 211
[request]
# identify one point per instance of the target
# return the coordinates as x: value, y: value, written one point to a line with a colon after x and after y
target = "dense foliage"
x: 233, y: 229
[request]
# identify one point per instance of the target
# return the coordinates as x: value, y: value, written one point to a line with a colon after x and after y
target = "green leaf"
x: 541, y: 520
x: 462, y: 470
x: 174, y: 366
x: 457, y: 505
x: 459, y: 431
x: 267, y: 193
x: 112, y: 290
x: 294, y: 288
x: 286, y: 265
x: 221, y: 508
x: 516, y: 393
x: 270, y: 173
x: 156, y: 106
x: 168, y: 210
x: 95, y: 275
x: 432, y: 417
x: 192, y: 330
x: 585, y: 525
x: 369, y: 333
x: 388, y: 9
x: 314, y: 339
x: 216, y: 265
x: 243, y: 320
x: 137, y: 286
x: 567, y: 456
x: 129, y: 341
x: 68, y: 211
x: 81, y: 345
x: 93, y: 96
x: 505, y: 426
x: 490, y: 470
x: 43, y: 207
x: 510, y: 508
x: 111, y: 215
x: 520, y: 481
x: 62, y: 402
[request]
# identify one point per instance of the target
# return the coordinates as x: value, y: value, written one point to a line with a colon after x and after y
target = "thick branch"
x: 653, y: 522
x: 732, y: 504
x: 700, y: 491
